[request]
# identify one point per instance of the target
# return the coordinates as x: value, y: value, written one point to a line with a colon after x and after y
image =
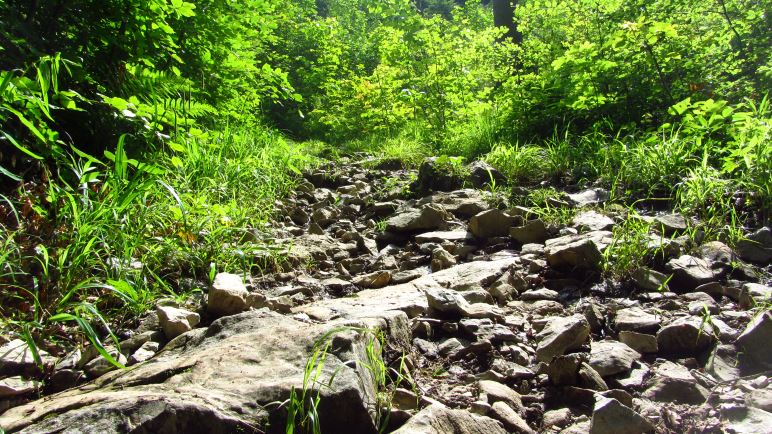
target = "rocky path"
x: 438, y: 314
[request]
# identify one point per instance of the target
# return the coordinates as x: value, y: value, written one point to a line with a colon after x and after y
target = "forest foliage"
x: 132, y: 131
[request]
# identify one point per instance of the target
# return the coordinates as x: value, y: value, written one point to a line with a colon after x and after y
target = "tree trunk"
x: 504, y: 16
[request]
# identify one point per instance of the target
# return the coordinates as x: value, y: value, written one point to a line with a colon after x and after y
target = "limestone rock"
x: 228, y: 295
x: 175, y: 322
x: 560, y: 335
x: 438, y: 419
x: 491, y: 223
x: 144, y: 353
x: 611, y: 417
x: 611, y: 357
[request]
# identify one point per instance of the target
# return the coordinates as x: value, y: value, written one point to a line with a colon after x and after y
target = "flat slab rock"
x: 216, y: 380
x: 437, y: 419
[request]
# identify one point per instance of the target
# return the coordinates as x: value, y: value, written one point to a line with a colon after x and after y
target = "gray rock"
x: 757, y: 247
x: 175, y: 322
x: 441, y: 259
x: 222, y: 380
x: 482, y: 174
x: 611, y: 357
x: 427, y: 217
x: 434, y: 175
x: 685, y: 336
x: 747, y: 421
x: 650, y: 280
x: 592, y: 196
x: 444, y: 236
x: 589, y: 378
x: 539, y: 294
x: 760, y: 398
x: 495, y: 391
x: 16, y: 386
x: 438, y: 419
x: 690, y: 272
x: 637, y: 320
x: 716, y: 252
x: 461, y: 203
x: 491, y: 223
x: 755, y: 342
x: 100, y: 366
x: 532, y: 232
x: 560, y: 335
x: 583, y: 251
x: 408, y: 275
x: 592, y: 221
x: 144, y: 353
x: 611, y: 417
x: 669, y: 224
x: 640, y: 342
x: 16, y: 358
x: 556, y: 418
x: 564, y: 370
x: 510, y: 419
x: 752, y: 294
x: 722, y: 363
x: 699, y: 302
x: 227, y: 296
x: 674, y: 383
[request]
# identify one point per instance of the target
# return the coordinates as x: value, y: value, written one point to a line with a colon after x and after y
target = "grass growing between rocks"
x: 97, y: 241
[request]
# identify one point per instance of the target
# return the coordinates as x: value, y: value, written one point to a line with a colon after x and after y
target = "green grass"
x: 109, y: 236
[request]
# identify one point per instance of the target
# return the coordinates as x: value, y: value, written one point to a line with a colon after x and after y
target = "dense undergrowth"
x: 143, y: 143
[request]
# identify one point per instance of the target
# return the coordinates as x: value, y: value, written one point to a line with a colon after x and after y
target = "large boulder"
x: 227, y: 378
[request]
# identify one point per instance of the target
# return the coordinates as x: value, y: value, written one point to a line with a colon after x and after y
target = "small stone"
x: 491, y: 223
x: 438, y: 419
x: 175, y: 322
x: 377, y: 279
x: 539, y: 294
x: 589, y: 378
x: 15, y: 386
x: 228, y: 295
x: 636, y: 319
x: 757, y: 247
x: 643, y: 343
x: 669, y: 224
x: 611, y: 357
x: 509, y: 417
x: 582, y: 251
x: 558, y: 418
x: 752, y: 294
x: 495, y: 391
x: 15, y: 357
x: 563, y: 370
x: 441, y: 259
x: 144, y: 353
x: 674, y: 383
x: 428, y: 217
x: 592, y: 221
x: 100, y: 366
x: 650, y: 280
x: 589, y: 197
x: 755, y: 342
x: 560, y: 335
x: 532, y: 232
x: 699, y: 302
x: 690, y: 272
x: 611, y: 417
x: 685, y: 336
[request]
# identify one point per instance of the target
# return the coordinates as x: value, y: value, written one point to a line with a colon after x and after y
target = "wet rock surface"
x: 495, y: 321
